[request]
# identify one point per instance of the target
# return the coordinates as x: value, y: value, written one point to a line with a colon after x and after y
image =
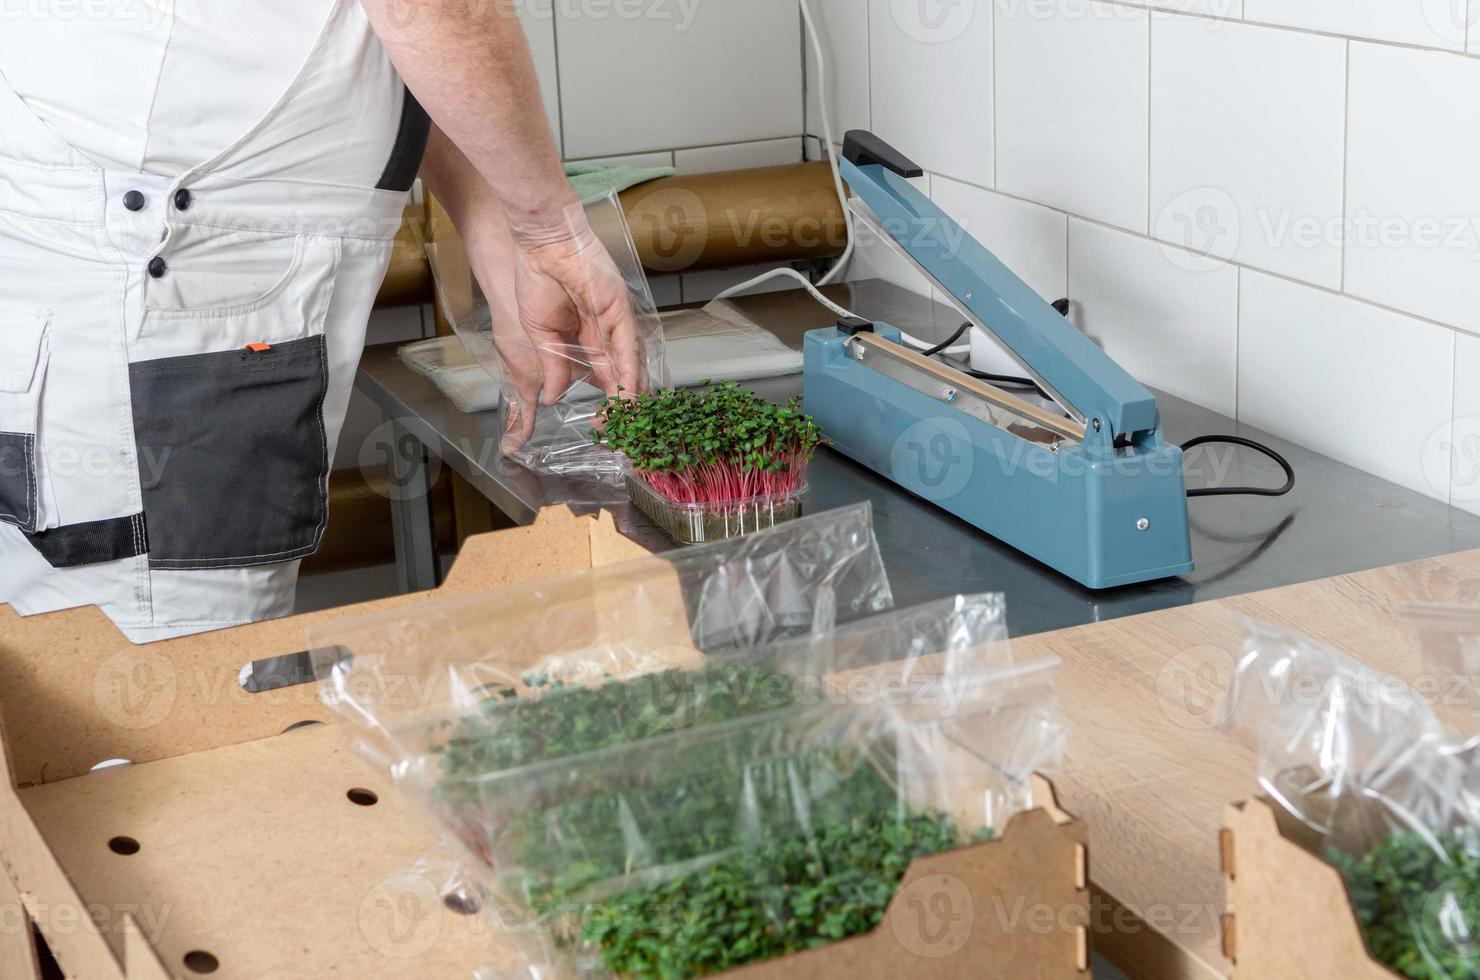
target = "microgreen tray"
x: 701, y: 523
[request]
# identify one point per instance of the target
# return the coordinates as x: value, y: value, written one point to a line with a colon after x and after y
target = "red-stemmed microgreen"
x: 714, y: 445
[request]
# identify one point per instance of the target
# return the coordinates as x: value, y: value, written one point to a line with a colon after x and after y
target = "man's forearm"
x: 468, y: 63
x: 476, y: 212
x: 457, y: 184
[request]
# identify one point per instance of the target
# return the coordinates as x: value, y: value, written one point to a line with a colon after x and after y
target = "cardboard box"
x: 1289, y: 914
x: 246, y: 840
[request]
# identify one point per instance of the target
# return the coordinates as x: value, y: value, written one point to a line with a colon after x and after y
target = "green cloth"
x: 593, y: 180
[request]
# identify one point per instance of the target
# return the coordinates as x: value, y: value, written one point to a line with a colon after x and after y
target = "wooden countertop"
x: 1151, y: 774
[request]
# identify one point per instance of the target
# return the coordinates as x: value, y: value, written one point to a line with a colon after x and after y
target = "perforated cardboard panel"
x: 1290, y: 917
x: 75, y: 692
x: 245, y: 840
x: 207, y: 757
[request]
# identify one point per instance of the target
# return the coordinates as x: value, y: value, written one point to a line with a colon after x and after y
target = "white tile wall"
x: 613, y: 114
x: 699, y: 75
x: 736, y: 156
x: 1240, y: 168
x: 842, y: 27
x: 813, y: 147
x: 1163, y: 314
x: 877, y: 259
x: 1334, y: 140
x: 1328, y: 142
x: 1212, y: 8
x: 1072, y: 107
x: 1413, y: 200
x: 1030, y: 239
x: 931, y: 84
x: 660, y: 159
x: 1365, y: 386
x: 1465, y: 436
x: 1434, y: 23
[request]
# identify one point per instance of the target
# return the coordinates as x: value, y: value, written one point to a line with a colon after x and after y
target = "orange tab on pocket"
x: 259, y: 348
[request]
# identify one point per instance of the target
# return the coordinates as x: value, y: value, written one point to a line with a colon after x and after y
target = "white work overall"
x: 176, y: 354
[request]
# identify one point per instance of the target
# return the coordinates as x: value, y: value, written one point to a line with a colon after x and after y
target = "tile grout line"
x: 996, y: 86
x: 1068, y: 276
x: 1238, y: 345
x: 868, y: 46
x: 1230, y: 263
x: 687, y: 149
x: 1270, y: 25
x: 1346, y: 152
x: 1150, y: 113
x: 806, y: 83
x: 1453, y: 413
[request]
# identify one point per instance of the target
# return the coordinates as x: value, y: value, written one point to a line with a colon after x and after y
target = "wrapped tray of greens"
x: 700, y: 806
x: 1376, y: 785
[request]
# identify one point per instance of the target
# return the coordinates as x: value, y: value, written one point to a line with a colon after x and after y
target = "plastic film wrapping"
x: 1382, y: 789
x: 386, y: 672
x: 679, y: 765
x: 550, y: 421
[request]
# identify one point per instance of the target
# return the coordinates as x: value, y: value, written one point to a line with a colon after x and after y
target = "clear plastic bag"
x: 1449, y: 646
x: 390, y: 671
x: 718, y: 343
x: 447, y: 361
x: 609, y: 755
x: 558, y: 437
x: 1380, y: 788
x: 612, y: 813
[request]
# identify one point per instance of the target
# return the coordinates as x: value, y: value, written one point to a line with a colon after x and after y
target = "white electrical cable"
x: 830, y: 148
x: 816, y: 293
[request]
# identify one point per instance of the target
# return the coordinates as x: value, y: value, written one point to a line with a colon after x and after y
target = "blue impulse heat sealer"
x: 1079, y: 477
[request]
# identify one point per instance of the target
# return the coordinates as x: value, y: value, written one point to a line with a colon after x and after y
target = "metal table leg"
x: 412, y: 523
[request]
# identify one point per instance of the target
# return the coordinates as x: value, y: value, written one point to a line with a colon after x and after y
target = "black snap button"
x: 135, y: 200
x: 182, y: 200
x: 158, y: 267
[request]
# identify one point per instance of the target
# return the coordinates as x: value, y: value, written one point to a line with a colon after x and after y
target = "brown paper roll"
x: 409, y: 279
x: 764, y: 216
x: 770, y: 215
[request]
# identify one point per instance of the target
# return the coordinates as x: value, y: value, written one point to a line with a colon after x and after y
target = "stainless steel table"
x: 1338, y: 519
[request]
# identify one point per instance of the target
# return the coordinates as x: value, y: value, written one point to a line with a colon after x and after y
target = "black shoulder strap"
x: 411, y: 146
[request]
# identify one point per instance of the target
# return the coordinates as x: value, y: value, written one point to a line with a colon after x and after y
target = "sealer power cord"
x: 1257, y: 447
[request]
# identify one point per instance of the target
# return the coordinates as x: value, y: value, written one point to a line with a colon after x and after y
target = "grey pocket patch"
x: 233, y: 457
x: 18, y: 480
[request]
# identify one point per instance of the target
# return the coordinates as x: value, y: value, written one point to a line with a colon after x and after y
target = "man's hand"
x: 561, y: 310
x: 494, y: 258
x: 561, y: 314
x: 559, y: 302
x: 576, y: 309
